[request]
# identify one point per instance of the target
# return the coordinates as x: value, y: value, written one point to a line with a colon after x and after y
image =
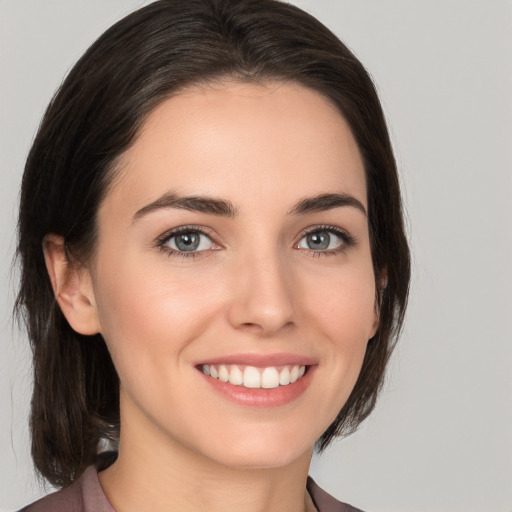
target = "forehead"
x: 226, y: 138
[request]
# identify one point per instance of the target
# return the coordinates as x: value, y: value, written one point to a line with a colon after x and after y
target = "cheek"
x: 353, y: 323
x: 343, y: 302
x: 150, y: 315
x: 342, y: 309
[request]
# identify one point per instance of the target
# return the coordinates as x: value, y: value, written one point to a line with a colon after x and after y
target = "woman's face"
x: 233, y: 245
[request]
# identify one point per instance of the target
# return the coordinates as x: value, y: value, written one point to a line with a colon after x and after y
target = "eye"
x: 325, y: 240
x: 187, y: 241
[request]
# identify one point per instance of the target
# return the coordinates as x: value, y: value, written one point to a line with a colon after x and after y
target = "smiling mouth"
x: 253, y: 377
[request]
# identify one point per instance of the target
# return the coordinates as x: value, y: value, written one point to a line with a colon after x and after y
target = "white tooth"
x: 252, y: 377
x: 302, y: 371
x: 206, y: 369
x: 269, y: 378
x: 223, y: 374
x: 294, y: 374
x: 235, y: 376
x: 213, y: 372
x: 284, y: 376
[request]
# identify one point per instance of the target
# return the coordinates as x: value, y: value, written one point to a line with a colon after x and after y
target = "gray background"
x: 441, y: 437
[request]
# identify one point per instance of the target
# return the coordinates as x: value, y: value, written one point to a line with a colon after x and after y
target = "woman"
x: 214, y: 266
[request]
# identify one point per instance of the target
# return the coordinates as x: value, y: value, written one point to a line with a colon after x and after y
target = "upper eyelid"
x: 161, y: 242
x: 324, y: 227
x: 210, y: 233
x: 347, y: 239
x: 185, y: 229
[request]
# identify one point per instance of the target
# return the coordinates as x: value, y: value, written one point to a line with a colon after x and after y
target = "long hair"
x: 95, y: 116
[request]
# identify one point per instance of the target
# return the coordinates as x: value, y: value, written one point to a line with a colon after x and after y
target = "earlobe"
x: 382, y: 284
x: 72, y: 286
x: 376, y: 318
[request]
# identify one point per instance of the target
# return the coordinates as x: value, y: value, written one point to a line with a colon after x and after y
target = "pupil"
x: 318, y: 241
x: 187, y: 241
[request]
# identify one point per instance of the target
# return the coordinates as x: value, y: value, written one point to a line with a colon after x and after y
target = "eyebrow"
x: 324, y: 202
x: 224, y: 208
x: 210, y: 205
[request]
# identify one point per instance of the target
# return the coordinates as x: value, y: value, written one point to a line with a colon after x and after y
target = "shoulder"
x: 84, y: 495
x: 68, y: 499
x: 324, y: 502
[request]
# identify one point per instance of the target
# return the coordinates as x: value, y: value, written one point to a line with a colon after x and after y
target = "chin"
x: 261, y: 451
x: 264, y: 459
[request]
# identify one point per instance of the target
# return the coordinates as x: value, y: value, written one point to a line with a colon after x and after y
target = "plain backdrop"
x: 441, y: 437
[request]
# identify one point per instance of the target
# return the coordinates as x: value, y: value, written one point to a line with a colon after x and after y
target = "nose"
x: 263, y: 297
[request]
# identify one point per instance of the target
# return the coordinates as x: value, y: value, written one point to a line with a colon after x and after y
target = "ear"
x: 381, y: 284
x: 72, y: 286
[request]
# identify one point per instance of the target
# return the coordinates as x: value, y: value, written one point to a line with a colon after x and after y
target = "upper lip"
x: 262, y: 360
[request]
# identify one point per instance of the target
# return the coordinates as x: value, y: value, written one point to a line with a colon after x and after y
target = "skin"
x: 255, y: 288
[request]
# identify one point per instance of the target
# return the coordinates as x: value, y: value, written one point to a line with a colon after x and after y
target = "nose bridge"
x: 263, y: 291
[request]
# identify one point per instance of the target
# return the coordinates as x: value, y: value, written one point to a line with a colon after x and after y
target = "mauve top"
x: 86, y: 495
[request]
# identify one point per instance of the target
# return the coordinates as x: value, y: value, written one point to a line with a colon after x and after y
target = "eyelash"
x: 168, y: 235
x: 347, y: 240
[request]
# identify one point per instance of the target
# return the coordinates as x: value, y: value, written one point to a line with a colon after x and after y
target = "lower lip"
x: 260, y: 397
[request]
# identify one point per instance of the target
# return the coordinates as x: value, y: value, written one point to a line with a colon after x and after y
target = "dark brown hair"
x: 92, y: 120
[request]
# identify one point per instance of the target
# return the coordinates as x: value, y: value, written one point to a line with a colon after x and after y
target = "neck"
x: 137, y: 481
x: 153, y: 472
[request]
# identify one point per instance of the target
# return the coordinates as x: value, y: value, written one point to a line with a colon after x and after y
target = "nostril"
x: 250, y: 327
